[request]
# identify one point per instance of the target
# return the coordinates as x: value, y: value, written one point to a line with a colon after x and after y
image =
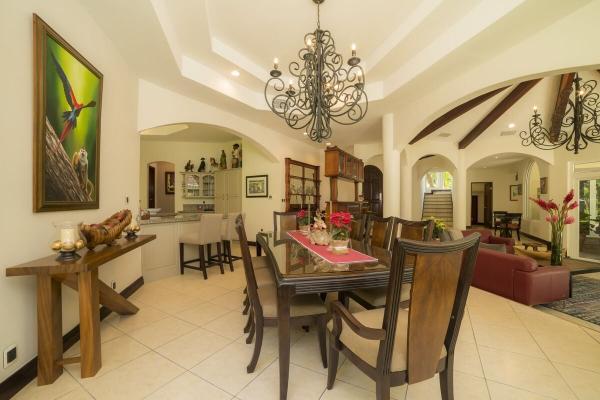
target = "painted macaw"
x: 70, y: 117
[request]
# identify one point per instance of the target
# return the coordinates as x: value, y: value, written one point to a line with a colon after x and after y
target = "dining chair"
x: 394, y: 346
x: 284, y: 221
x: 404, y: 229
x: 208, y: 233
x: 304, y: 309
x: 514, y: 223
x: 359, y: 226
x: 498, y: 218
x: 379, y: 231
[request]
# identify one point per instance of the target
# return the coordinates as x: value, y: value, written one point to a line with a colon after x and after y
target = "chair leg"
x: 334, y: 357
x: 252, y: 330
x: 447, y: 381
x: 220, y: 257
x: 322, y: 331
x: 519, y: 235
x: 248, y: 323
x: 257, y: 346
x: 382, y: 388
x: 228, y: 251
x: 202, y: 263
x: 181, y: 262
x: 246, y: 305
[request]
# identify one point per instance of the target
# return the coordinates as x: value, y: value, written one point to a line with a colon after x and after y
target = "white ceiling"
x: 500, y: 160
x: 408, y: 47
x: 188, y: 133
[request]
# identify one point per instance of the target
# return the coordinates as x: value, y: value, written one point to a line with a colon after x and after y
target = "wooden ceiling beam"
x: 454, y: 113
x: 506, y: 103
x: 562, y: 99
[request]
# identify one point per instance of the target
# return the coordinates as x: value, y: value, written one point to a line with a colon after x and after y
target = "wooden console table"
x: 82, y: 276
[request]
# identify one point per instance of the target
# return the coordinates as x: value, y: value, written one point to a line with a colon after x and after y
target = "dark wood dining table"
x: 299, y: 271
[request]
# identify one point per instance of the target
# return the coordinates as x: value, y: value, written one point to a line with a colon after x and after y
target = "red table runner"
x: 352, y: 257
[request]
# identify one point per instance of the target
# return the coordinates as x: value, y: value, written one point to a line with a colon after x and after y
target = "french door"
x: 587, y: 228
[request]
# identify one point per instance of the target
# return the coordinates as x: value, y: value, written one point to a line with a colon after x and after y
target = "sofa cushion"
x: 455, y: 234
x: 501, y: 248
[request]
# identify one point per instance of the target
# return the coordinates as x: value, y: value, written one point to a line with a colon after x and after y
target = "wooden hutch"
x: 344, y: 166
x: 302, y: 185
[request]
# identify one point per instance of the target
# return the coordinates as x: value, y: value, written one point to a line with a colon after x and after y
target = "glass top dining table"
x: 298, y: 270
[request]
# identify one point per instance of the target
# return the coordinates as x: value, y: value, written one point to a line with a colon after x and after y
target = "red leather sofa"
x: 519, y: 278
x: 488, y: 237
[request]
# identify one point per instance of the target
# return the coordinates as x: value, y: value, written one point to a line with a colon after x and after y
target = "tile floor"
x: 186, y: 342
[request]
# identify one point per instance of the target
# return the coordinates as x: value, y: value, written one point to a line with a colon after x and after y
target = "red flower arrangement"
x: 558, y: 217
x: 302, y: 217
x: 340, y: 225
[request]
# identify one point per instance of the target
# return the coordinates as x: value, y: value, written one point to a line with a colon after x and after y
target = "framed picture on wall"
x: 514, y: 192
x: 544, y: 185
x: 257, y: 186
x: 169, y: 182
x: 67, y: 105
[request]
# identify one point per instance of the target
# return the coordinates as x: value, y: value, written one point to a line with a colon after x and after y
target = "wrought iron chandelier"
x: 583, y: 110
x: 322, y: 90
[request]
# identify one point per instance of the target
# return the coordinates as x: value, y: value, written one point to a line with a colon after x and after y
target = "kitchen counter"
x: 184, y: 217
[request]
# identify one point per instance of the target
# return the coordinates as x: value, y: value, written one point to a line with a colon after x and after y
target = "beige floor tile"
x: 593, y: 333
x: 230, y: 325
x: 176, y: 302
x: 148, y: 293
x: 230, y: 280
x: 304, y: 384
x: 63, y: 385
x: 77, y: 394
x: 508, y: 338
x: 271, y: 339
x: 350, y: 374
x: 107, y: 333
x: 231, y: 300
x: 128, y: 323
x: 115, y: 353
x: 134, y: 380
x: 465, y: 334
x: 189, y: 387
x: 576, y: 350
x: 344, y: 391
x: 191, y: 348
x: 529, y: 373
x: 202, y: 314
x: 466, y: 359
x: 537, y: 321
x: 585, y: 384
x: 227, y: 368
x: 500, y: 315
x: 161, y: 332
x: 499, y: 391
x: 466, y: 387
x: 305, y: 352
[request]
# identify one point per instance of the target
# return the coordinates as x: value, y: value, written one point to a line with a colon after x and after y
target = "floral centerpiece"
x: 340, y: 231
x: 558, y: 217
x: 303, y: 221
x: 319, y: 233
x: 438, y: 227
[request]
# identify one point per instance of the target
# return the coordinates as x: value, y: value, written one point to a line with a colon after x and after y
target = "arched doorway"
x: 373, y: 189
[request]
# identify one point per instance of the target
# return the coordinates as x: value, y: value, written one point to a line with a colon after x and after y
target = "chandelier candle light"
x: 321, y: 90
x: 558, y: 217
x: 583, y: 110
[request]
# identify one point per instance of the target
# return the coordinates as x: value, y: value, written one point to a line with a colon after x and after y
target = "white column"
x: 460, y: 192
x: 391, y: 168
x: 406, y: 189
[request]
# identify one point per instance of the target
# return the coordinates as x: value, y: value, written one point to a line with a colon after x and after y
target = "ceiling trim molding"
x: 454, y: 113
x: 506, y: 103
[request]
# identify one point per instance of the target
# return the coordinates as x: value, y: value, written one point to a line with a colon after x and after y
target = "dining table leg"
x: 283, y: 312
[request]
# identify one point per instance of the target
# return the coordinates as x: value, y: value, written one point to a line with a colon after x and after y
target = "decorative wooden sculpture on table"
x: 70, y: 241
x: 202, y: 166
x: 107, y: 231
x: 223, y: 160
x: 68, y: 98
x: 236, y: 156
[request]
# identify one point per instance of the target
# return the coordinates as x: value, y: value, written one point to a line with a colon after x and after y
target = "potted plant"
x: 558, y: 217
x: 438, y: 227
x: 303, y: 221
x: 340, y: 231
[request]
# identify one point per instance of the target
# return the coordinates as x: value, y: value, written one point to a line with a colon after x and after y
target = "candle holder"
x: 69, y: 243
x: 131, y: 231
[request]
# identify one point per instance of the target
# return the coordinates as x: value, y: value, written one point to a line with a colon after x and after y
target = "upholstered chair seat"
x: 301, y: 305
x: 376, y: 296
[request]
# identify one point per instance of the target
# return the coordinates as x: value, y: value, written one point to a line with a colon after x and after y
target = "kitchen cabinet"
x: 228, y: 191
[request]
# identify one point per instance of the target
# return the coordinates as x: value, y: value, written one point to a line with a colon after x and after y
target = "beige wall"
x: 164, y: 201
x: 501, y: 178
x: 25, y: 235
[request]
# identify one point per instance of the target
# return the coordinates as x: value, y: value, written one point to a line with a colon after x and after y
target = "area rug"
x: 584, y: 302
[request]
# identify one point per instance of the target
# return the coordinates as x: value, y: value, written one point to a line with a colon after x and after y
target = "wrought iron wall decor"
x: 583, y: 110
x: 322, y: 90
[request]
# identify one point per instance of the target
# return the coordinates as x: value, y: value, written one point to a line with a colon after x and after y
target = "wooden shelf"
x: 306, y: 169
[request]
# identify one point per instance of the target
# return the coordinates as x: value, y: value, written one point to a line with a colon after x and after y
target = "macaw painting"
x: 68, y: 100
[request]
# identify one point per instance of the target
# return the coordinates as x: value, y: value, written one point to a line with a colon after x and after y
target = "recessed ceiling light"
x: 496, y: 157
x: 235, y: 73
x: 305, y: 133
x: 511, y: 125
x: 328, y: 144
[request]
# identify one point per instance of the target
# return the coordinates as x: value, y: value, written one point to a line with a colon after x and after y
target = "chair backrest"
x: 251, y: 286
x: 284, y: 221
x: 210, y: 228
x: 413, y: 230
x: 442, y: 276
x: 379, y: 231
x: 228, y: 226
x: 515, y: 218
x: 498, y: 216
x: 359, y: 226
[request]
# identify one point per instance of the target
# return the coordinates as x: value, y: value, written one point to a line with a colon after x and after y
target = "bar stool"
x: 209, y: 233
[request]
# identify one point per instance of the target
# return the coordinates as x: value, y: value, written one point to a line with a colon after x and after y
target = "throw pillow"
x: 501, y: 248
x: 455, y: 234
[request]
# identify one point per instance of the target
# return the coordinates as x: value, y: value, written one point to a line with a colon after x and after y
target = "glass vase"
x: 556, y: 256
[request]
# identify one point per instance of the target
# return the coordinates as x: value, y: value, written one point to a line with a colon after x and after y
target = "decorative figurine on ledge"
x: 213, y: 165
x: 236, y: 156
x: 132, y: 231
x: 70, y: 241
x: 202, y: 166
x: 189, y: 167
x: 223, y: 161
